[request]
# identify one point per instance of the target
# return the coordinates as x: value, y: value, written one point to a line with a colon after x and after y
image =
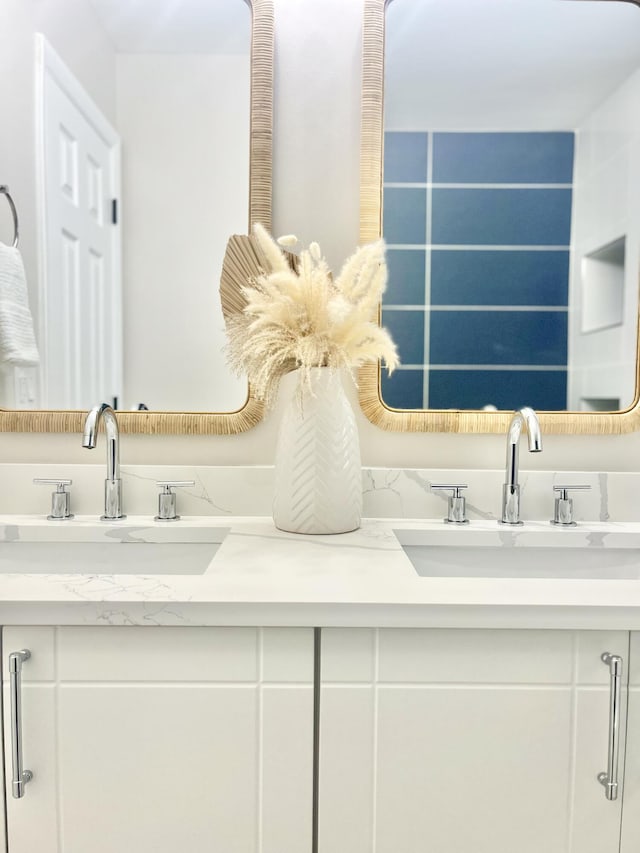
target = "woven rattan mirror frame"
x: 433, y: 420
x: 261, y: 134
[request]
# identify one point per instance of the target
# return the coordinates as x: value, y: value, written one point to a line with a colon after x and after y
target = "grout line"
x: 509, y: 368
x: 573, y: 738
x: 260, y: 743
x: 399, y: 185
x: 374, y: 787
x: 558, y: 309
x: 537, y: 687
x: 479, y: 247
x: 56, y: 714
x: 141, y: 685
x: 427, y: 266
x: 317, y: 684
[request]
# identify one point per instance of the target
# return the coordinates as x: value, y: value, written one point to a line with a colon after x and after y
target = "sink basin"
x: 579, y: 553
x: 63, y: 548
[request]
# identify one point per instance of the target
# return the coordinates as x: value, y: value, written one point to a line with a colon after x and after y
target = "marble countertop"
x: 262, y: 576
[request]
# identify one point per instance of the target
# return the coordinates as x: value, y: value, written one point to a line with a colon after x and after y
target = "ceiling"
x: 475, y: 63
x: 176, y: 26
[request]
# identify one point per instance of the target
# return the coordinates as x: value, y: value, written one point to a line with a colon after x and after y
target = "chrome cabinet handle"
x: 610, y: 778
x: 20, y: 776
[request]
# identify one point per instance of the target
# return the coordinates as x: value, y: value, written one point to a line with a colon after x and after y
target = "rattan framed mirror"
x: 252, y: 110
x: 384, y: 168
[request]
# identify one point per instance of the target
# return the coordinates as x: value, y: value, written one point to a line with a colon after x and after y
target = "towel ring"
x: 4, y: 190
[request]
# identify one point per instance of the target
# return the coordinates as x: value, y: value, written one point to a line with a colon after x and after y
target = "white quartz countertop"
x: 262, y: 576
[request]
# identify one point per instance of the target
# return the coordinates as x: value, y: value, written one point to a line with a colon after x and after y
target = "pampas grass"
x: 304, y: 319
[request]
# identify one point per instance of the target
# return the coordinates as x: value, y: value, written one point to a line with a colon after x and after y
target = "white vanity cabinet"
x: 157, y: 740
x: 468, y: 740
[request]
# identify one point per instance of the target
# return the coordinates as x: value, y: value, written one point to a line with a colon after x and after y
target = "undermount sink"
x: 63, y: 548
x: 529, y: 552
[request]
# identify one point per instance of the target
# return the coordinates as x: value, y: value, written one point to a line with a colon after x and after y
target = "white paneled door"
x: 159, y: 740
x: 80, y: 305
x: 466, y: 741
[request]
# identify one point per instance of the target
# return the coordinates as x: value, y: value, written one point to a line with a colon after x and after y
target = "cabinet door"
x: 157, y: 740
x: 466, y: 741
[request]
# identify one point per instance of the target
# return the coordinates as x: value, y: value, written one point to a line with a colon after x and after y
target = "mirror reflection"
x: 129, y: 167
x: 511, y: 149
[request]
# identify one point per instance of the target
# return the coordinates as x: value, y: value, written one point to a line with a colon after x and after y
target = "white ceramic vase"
x: 318, y: 476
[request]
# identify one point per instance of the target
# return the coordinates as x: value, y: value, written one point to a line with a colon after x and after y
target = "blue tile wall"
x: 403, y: 389
x: 504, y: 389
x: 501, y: 217
x: 460, y: 277
x: 405, y: 215
x: 498, y: 337
x: 502, y: 158
x: 407, y: 330
x: 514, y: 269
x: 406, y: 277
x: 405, y: 157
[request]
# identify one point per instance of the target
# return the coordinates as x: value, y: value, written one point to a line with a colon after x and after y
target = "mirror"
x: 148, y: 137
x: 507, y: 146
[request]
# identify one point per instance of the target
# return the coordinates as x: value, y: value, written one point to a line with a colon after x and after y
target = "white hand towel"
x: 17, y: 339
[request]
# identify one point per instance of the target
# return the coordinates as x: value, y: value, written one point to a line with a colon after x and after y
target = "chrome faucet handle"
x: 60, y: 499
x: 563, y: 510
x: 456, y: 504
x: 167, y: 498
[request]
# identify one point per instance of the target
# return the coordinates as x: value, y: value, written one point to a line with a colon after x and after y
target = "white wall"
x: 185, y: 185
x: 318, y: 53
x: 606, y: 208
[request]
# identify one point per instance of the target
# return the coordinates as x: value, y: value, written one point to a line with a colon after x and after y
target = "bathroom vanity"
x: 157, y: 737
x: 214, y: 685
x: 189, y: 700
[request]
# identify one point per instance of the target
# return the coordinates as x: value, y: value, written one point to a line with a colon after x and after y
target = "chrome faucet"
x: 113, y: 484
x: 511, y: 489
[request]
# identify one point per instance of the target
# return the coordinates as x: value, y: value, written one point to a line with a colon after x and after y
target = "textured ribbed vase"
x: 318, y: 478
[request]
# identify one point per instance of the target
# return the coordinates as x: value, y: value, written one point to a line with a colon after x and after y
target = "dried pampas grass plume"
x: 301, y: 318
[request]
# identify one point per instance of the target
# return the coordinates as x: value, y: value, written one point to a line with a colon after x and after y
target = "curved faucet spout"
x: 524, y: 417
x: 511, y: 490
x: 105, y: 413
x: 113, y: 492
